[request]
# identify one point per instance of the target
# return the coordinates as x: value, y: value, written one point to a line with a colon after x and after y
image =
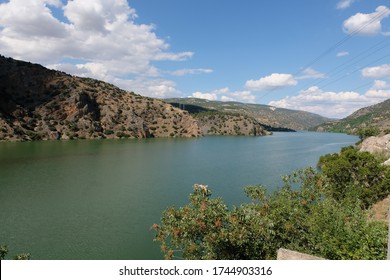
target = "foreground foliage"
x: 305, y: 214
x: 4, y: 252
x: 353, y: 173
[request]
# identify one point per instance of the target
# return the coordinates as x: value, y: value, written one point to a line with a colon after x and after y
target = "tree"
x: 353, y: 171
x: 306, y: 219
x: 366, y: 132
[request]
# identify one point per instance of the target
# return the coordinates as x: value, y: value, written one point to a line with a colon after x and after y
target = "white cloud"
x: 380, y: 89
x: 241, y: 96
x: 101, y: 35
x: 224, y: 94
x: 343, y: 4
x: 205, y: 95
x: 271, y: 82
x: 183, y: 72
x: 341, y: 54
x: 381, y: 71
x: 366, y: 24
x: 29, y: 19
x: 310, y: 73
x: 334, y: 104
x: 156, y: 88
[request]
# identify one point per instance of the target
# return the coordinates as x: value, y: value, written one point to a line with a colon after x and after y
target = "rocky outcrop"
x: 377, y: 145
x: 284, y: 254
x: 37, y: 103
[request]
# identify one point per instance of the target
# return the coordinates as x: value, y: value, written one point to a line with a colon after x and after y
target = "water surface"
x: 97, y: 199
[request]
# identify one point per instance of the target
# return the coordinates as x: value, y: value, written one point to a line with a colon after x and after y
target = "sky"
x: 327, y: 57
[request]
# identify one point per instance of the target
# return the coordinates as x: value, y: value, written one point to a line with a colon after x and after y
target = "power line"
x: 335, y: 46
x: 351, y: 62
x: 359, y: 69
x: 342, y: 41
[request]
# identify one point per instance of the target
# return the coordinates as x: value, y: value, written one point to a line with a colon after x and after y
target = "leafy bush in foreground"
x: 4, y: 252
x: 307, y: 219
x: 352, y: 173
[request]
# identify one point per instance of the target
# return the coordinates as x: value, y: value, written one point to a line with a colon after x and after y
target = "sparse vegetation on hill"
x: 217, y: 123
x: 368, y: 121
x: 272, y: 118
x: 37, y: 103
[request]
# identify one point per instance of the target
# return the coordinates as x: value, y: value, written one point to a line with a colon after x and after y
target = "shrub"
x: 353, y: 171
x: 304, y: 219
x: 4, y: 252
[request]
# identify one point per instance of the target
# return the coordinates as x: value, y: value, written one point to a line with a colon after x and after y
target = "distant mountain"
x: 375, y: 116
x: 38, y: 103
x: 271, y: 118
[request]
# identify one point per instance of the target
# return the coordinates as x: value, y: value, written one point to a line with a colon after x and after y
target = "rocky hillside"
x: 216, y: 123
x: 379, y: 145
x: 373, y: 116
x: 37, y: 103
x: 271, y: 117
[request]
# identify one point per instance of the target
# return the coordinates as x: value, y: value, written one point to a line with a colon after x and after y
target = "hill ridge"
x: 268, y: 116
x: 38, y: 103
x: 374, y: 116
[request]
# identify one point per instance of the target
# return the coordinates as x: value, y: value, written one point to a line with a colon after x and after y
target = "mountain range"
x: 375, y: 116
x: 38, y: 103
x: 270, y: 117
x: 41, y: 104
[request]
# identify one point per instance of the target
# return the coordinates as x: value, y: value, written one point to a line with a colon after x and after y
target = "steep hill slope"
x: 269, y: 116
x: 37, y: 103
x: 373, y: 116
x: 217, y: 123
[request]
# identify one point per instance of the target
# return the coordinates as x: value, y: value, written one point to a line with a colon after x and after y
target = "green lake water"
x: 98, y: 199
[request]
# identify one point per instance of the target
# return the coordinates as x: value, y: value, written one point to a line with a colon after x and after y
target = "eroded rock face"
x: 378, y: 145
x: 37, y: 103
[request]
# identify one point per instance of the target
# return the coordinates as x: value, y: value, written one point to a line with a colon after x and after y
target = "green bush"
x: 4, y: 252
x: 355, y: 173
x: 366, y: 132
x: 306, y: 219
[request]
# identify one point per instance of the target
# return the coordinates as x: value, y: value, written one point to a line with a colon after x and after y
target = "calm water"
x: 98, y: 199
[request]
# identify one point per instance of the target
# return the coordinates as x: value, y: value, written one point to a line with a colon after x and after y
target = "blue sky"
x: 328, y: 57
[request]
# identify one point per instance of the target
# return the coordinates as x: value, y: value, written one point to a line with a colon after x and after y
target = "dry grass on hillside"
x: 380, y: 210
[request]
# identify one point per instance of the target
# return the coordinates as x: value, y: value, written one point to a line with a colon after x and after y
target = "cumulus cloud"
x: 343, y: 4
x: 341, y: 54
x: 205, y: 95
x: 310, y: 73
x: 366, y: 24
x: 334, y: 104
x: 30, y: 19
x: 380, y: 89
x: 381, y: 71
x: 156, y: 88
x: 225, y: 94
x: 271, y: 82
x: 183, y: 72
x: 101, y: 35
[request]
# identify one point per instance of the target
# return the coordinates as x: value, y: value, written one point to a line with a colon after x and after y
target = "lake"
x: 98, y: 199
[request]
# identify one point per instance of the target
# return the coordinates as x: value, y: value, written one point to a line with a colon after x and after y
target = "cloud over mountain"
x: 334, y: 104
x: 88, y: 38
x: 271, y: 82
